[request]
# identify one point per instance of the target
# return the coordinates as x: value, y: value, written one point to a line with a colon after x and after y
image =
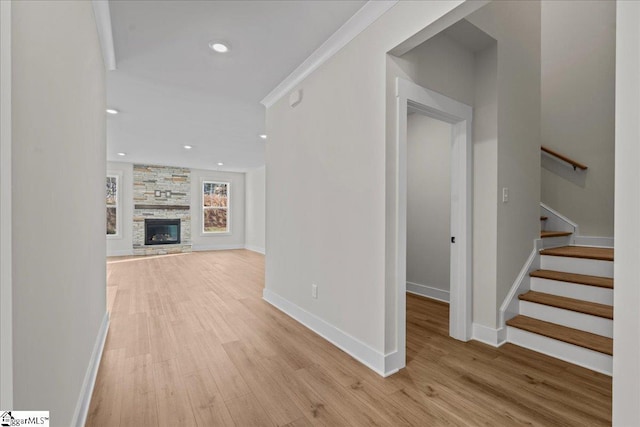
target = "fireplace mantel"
x: 167, y: 207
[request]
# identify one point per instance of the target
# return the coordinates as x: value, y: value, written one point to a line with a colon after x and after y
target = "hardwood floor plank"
x: 246, y: 411
x: 267, y: 391
x: 173, y: 405
x: 139, y: 405
x: 192, y: 342
x: 206, y: 400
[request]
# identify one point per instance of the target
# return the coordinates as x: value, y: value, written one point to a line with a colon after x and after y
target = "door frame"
x: 460, y: 116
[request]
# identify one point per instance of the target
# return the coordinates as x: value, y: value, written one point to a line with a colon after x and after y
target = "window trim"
x: 118, y: 176
x: 228, y: 183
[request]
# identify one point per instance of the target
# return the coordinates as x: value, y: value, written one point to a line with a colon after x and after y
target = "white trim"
x: 440, y: 107
x: 360, y: 351
x: 521, y: 284
x: 105, y: 34
x: 580, y: 356
x: 602, y: 242
x: 258, y: 249
x: 82, y: 407
x: 213, y: 247
x: 6, y: 282
x: 489, y: 336
x: 428, y: 291
x: 364, y: 17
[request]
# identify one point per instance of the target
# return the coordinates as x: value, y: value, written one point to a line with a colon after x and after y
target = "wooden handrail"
x: 564, y: 158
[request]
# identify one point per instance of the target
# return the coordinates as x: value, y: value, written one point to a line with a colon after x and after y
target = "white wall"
x: 236, y: 238
x: 330, y: 168
x: 255, y: 209
x: 428, y: 205
x: 123, y: 243
x: 485, y: 186
x: 516, y: 27
x: 578, y: 78
x: 326, y: 187
x: 445, y: 66
x: 504, y: 81
x: 440, y: 64
x: 6, y: 328
x: 59, y: 292
x: 626, y: 328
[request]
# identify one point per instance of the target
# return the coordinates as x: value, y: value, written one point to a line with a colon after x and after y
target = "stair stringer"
x: 510, y: 306
x: 558, y: 222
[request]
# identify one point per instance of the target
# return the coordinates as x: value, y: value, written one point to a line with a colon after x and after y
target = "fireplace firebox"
x: 161, y: 231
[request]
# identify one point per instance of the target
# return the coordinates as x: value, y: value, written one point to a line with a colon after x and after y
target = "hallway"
x: 192, y: 342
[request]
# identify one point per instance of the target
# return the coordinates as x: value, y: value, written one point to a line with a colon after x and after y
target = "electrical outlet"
x: 505, y: 194
x: 314, y: 290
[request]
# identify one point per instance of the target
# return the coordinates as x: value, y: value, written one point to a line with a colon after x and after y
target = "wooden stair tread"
x: 543, y: 218
x: 603, y: 254
x: 544, y: 234
x: 580, y: 306
x: 582, y: 279
x: 563, y: 333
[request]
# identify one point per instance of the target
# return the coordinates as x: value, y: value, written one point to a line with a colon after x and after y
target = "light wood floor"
x: 192, y: 343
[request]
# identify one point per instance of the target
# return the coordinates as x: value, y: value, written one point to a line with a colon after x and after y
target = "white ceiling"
x: 172, y: 90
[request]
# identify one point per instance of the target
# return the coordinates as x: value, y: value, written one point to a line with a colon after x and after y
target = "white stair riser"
x: 572, y: 319
x: 573, y: 290
x: 589, y: 267
x: 561, y: 350
x: 554, y: 242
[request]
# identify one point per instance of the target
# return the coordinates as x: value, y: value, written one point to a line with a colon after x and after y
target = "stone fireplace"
x: 162, y: 208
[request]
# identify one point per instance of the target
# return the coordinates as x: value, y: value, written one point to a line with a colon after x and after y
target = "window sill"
x: 226, y: 233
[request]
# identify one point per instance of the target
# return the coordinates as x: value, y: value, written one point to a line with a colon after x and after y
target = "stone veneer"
x: 147, y: 180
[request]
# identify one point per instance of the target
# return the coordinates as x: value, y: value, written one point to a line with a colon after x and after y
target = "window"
x: 215, y: 207
x: 112, y: 205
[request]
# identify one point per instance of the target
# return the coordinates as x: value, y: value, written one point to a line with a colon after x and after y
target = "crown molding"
x: 364, y: 17
x: 105, y: 34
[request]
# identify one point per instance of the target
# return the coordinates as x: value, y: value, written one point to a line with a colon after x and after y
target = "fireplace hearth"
x: 161, y: 231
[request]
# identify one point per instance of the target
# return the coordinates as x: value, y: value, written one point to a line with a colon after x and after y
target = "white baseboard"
x: 258, y: 249
x: 216, y: 247
x: 428, y: 291
x: 360, y: 351
x: 606, y: 242
x: 84, y: 400
x: 120, y: 252
x: 490, y: 336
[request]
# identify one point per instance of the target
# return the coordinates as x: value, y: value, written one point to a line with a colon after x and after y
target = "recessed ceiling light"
x: 122, y: 154
x: 112, y: 111
x: 263, y: 135
x: 219, y: 47
x: 220, y: 164
x: 188, y: 147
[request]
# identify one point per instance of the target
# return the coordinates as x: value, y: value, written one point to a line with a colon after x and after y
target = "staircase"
x: 568, y: 311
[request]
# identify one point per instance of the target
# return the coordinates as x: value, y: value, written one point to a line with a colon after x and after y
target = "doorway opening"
x: 428, y: 206
x: 455, y: 118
